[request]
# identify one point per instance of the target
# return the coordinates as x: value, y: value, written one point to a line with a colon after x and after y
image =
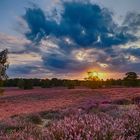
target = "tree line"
x: 130, y: 79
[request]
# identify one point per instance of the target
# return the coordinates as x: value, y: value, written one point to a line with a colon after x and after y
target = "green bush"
x: 51, y: 115
x: 122, y: 102
x: 28, y: 84
x: 45, y: 84
x: 25, y: 84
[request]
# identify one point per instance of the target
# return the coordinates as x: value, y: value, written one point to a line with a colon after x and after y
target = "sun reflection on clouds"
x: 18, y: 59
x: 103, y: 65
x: 133, y: 59
x: 81, y: 55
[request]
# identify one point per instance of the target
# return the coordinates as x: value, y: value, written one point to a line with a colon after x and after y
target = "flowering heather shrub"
x: 85, y: 128
x: 76, y: 126
x: 96, y: 127
x: 75, y: 123
x: 136, y: 100
x: 10, y: 125
x: 132, y: 124
x: 30, y: 132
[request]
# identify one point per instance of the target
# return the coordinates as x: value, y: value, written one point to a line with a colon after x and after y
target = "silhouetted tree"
x: 131, y: 76
x: 131, y: 79
x: 92, y: 77
x: 93, y: 81
x: 3, y: 64
x: 3, y: 67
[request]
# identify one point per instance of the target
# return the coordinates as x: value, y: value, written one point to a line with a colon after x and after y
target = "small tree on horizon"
x: 92, y: 77
x: 92, y: 80
x: 131, y: 79
x: 131, y: 76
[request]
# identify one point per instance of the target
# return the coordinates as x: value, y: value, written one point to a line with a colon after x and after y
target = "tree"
x: 131, y: 79
x: 92, y: 76
x: 3, y: 67
x: 131, y: 76
x: 93, y: 81
x: 3, y: 64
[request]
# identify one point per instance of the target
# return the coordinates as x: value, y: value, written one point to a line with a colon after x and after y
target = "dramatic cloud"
x: 132, y: 22
x: 77, y: 37
x: 92, y: 27
x: 86, y: 36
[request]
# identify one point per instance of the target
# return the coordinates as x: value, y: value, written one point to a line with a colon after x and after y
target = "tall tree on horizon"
x: 3, y: 64
x: 3, y: 67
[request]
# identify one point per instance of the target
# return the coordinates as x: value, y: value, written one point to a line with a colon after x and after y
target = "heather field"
x: 16, y: 101
x: 70, y: 114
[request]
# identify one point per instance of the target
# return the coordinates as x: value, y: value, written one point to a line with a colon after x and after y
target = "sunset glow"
x: 55, y: 39
x: 97, y: 74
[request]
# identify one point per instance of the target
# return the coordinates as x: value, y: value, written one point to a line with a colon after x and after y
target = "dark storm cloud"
x: 38, y: 24
x: 90, y: 23
x: 85, y: 25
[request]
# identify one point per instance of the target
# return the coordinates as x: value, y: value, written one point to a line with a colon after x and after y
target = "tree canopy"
x: 131, y: 76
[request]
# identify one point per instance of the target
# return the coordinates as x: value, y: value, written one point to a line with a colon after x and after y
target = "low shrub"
x: 99, y: 127
x: 51, y: 115
x: 81, y: 127
x: 34, y: 118
x: 122, y: 102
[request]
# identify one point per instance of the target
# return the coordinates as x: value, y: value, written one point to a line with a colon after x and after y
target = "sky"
x: 68, y: 38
